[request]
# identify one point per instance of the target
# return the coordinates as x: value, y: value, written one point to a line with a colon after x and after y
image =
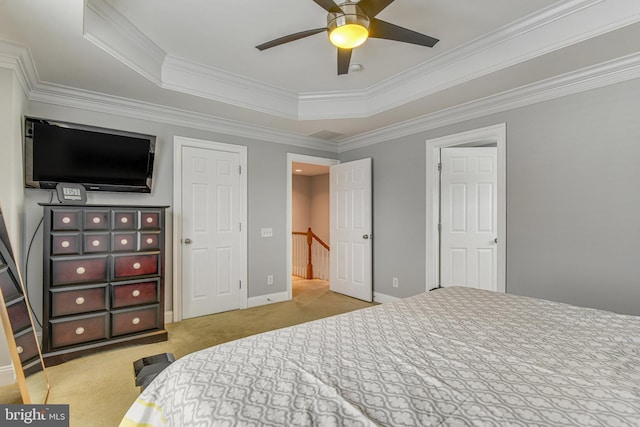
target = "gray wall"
x: 300, y: 202
x: 310, y: 204
x: 320, y: 206
x: 573, y: 200
x: 573, y: 204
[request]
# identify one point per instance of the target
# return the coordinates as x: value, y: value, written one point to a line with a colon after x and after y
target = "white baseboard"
x: 267, y: 299
x: 168, y: 316
x: 382, y: 298
x: 7, y: 375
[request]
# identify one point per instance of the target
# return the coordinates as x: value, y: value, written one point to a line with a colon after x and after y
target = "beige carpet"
x: 99, y: 388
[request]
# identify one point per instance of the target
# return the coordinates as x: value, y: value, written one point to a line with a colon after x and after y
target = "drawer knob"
x: 135, y: 320
x: 136, y: 266
x: 80, y: 300
x: 79, y: 330
x: 124, y: 242
x: 65, y: 244
x: 149, y: 240
x: 20, y: 349
x: 149, y: 220
x: 135, y: 293
x: 80, y: 270
x: 124, y: 220
x: 96, y: 243
x: 66, y: 220
x: 96, y: 220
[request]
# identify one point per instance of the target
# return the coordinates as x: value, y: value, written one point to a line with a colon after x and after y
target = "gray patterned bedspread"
x: 455, y: 356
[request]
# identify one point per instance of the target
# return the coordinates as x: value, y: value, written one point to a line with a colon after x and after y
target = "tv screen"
x: 100, y: 159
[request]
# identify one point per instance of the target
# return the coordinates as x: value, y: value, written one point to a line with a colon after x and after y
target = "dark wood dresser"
x: 103, y: 278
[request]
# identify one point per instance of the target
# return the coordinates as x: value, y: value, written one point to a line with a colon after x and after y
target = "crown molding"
x: 18, y: 58
x: 91, y: 101
x: 593, y: 77
x: 105, y: 27
x: 560, y: 25
x: 207, y: 82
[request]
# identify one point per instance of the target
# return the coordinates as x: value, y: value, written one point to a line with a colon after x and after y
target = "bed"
x: 453, y: 356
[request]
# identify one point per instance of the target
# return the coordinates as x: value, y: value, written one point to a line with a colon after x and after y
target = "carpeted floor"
x: 99, y: 388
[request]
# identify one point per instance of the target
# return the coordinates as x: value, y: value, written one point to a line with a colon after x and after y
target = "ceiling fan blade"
x: 290, y: 38
x: 328, y: 5
x: 344, y: 58
x: 383, y: 30
x: 373, y: 7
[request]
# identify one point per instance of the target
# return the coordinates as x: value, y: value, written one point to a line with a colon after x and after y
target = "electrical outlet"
x: 395, y: 282
x: 270, y: 279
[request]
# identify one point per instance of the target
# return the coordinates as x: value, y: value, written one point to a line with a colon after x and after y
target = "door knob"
x: 366, y: 236
x: 495, y: 240
x: 187, y: 241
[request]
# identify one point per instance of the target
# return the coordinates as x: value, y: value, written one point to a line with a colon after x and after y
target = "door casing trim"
x: 496, y: 134
x: 178, y: 143
x: 291, y: 158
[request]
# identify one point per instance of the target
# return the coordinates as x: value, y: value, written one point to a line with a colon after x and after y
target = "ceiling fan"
x: 350, y: 24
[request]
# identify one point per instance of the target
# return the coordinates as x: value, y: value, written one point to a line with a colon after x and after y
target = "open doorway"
x: 310, y: 221
x: 308, y: 207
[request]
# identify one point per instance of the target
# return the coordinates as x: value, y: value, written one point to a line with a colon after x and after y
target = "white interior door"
x: 351, y: 228
x: 469, y: 217
x: 211, y: 231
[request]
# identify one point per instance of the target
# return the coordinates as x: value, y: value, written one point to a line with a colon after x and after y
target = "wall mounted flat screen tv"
x: 100, y: 159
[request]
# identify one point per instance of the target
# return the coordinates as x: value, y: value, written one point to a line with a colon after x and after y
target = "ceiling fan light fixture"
x: 349, y: 28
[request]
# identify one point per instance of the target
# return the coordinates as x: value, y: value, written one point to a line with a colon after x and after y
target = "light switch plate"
x: 266, y: 232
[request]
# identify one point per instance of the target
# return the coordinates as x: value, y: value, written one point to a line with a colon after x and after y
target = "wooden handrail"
x: 314, y: 235
x: 310, y: 237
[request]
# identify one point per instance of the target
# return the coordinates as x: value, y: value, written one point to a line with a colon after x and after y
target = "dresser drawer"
x: 96, y: 220
x: 150, y: 220
x: 129, y: 294
x: 135, y: 265
x: 124, y: 241
x: 79, y: 329
x: 125, y: 220
x: 66, y: 219
x: 78, y: 270
x: 65, y: 244
x: 96, y: 242
x: 78, y: 299
x: 8, y: 285
x: 26, y: 345
x: 19, y: 315
x: 149, y: 240
x: 135, y: 320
